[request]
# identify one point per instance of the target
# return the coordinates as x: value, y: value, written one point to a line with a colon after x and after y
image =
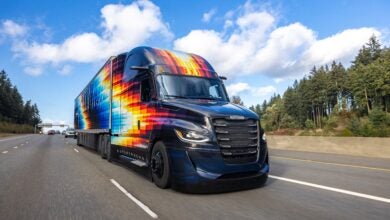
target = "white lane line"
x: 16, y: 147
x: 135, y: 200
x: 329, y: 163
x: 4, y: 152
x: 75, y: 150
x: 26, y: 142
x: 21, y: 144
x: 376, y: 198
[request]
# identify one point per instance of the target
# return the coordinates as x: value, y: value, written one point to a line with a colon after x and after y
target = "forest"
x: 16, y: 116
x: 335, y: 100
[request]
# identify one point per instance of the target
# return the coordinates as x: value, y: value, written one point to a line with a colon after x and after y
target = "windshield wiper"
x: 202, y: 97
x: 176, y: 96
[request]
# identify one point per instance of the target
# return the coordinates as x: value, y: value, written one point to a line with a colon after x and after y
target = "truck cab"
x: 170, y: 113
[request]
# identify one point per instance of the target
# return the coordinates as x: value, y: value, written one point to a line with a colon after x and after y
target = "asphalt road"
x: 48, y: 177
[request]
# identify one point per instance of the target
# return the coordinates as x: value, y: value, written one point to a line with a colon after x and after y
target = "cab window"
x: 146, y: 90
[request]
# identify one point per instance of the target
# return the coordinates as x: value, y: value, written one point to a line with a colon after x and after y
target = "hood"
x: 211, y: 108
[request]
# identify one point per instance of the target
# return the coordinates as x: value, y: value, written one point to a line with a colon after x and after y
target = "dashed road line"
x: 361, y: 195
x: 75, y: 150
x: 21, y: 144
x: 16, y: 147
x: 4, y: 152
x: 329, y: 163
x: 135, y: 200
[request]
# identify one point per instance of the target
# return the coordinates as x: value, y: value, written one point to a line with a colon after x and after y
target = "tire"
x: 66, y: 136
x: 109, y: 151
x: 160, y: 166
x: 102, y: 147
x: 78, y: 141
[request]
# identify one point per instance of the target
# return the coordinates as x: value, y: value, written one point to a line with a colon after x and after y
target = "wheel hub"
x: 157, y: 164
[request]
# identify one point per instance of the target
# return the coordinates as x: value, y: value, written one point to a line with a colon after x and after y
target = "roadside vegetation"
x: 334, y: 100
x: 16, y: 116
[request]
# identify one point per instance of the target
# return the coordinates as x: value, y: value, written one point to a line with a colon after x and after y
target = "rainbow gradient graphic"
x: 92, y: 106
x: 180, y: 63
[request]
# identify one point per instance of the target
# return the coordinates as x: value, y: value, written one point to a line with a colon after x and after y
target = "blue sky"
x: 51, y: 49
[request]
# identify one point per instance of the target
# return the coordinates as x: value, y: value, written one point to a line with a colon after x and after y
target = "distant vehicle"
x: 51, y: 132
x: 58, y: 132
x: 169, y: 113
x: 63, y: 132
x: 70, y: 132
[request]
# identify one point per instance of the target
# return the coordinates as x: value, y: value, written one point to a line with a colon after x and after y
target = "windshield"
x: 186, y: 87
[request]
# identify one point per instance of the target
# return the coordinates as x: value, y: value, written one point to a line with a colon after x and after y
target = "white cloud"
x: 208, y: 15
x: 33, y: 70
x: 264, y: 91
x: 251, y: 43
x: 235, y: 89
x: 124, y: 27
x: 241, y: 88
x: 13, y: 29
x: 339, y: 46
x: 65, y: 70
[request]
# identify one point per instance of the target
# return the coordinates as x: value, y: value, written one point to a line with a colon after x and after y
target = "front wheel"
x: 161, y: 172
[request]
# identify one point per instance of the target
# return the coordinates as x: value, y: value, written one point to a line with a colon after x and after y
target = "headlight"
x: 264, y: 137
x: 191, y: 136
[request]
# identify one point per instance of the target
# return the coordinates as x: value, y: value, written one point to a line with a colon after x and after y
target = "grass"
x: 7, y: 128
x: 6, y: 135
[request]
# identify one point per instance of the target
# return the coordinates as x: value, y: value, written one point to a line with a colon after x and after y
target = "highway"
x: 49, y: 177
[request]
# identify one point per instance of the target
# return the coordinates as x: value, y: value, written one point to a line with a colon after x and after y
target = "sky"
x: 51, y: 49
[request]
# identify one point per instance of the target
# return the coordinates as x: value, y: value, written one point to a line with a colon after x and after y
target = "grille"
x: 237, y: 139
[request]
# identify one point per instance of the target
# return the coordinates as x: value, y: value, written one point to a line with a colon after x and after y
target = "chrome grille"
x: 237, y: 139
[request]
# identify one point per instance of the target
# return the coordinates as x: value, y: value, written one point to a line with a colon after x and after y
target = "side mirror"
x: 139, y: 67
x: 223, y: 77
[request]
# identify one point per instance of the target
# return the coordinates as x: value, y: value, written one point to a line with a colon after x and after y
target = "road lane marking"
x: 4, y: 152
x: 362, y: 195
x: 75, y: 150
x: 329, y: 163
x: 16, y: 147
x: 135, y: 200
x: 21, y: 144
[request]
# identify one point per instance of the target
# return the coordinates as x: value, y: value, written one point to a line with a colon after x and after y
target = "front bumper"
x: 197, y: 170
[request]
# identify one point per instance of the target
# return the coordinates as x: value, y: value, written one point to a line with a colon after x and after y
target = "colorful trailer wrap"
x: 93, y: 105
x: 169, y: 112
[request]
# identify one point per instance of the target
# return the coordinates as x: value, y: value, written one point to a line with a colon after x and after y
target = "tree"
x: 12, y: 107
x: 256, y: 109
x: 237, y: 100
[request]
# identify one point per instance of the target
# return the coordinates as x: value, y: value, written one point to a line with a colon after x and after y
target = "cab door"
x: 143, y: 110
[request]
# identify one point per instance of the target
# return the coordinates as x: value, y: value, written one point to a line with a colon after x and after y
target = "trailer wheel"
x: 161, y: 172
x: 101, y: 147
x: 109, y: 151
x: 78, y: 140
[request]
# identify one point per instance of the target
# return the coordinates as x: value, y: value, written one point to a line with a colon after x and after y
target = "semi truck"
x: 169, y: 113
